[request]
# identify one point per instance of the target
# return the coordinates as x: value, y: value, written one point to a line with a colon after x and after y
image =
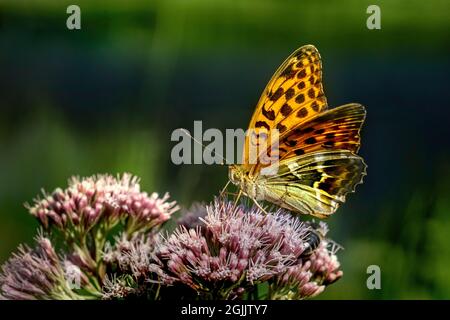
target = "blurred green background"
x: 106, y: 98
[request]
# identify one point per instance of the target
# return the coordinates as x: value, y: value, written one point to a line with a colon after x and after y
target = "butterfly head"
x: 235, y: 174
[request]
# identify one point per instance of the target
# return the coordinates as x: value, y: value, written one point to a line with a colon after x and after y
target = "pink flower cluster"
x: 131, y: 255
x: 102, y: 197
x: 35, y: 274
x: 238, y: 246
x: 309, y: 276
x: 218, y: 251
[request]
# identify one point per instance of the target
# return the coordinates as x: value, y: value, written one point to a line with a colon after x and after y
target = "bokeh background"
x: 106, y: 98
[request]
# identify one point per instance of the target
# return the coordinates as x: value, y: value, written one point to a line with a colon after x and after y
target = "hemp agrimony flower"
x: 114, y: 248
x: 89, y: 208
x: 240, y: 248
x: 102, y: 199
x: 310, y: 275
x: 40, y: 274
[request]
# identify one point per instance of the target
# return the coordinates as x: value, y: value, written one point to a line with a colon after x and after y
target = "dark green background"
x: 105, y: 99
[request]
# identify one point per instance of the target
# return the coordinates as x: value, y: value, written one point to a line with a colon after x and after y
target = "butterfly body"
x: 316, y: 147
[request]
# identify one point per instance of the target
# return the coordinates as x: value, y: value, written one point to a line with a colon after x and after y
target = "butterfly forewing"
x: 293, y: 95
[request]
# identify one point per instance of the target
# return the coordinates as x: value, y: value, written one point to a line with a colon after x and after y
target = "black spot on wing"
x: 286, y: 109
x: 303, y: 112
x: 262, y: 124
x: 269, y: 114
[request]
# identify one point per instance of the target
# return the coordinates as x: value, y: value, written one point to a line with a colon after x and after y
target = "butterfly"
x: 317, y: 161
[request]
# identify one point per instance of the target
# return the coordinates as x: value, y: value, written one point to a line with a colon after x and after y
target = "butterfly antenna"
x: 206, y: 147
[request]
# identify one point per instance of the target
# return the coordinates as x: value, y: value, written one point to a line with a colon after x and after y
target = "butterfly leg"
x: 224, y: 188
x: 259, y: 206
x: 238, y: 197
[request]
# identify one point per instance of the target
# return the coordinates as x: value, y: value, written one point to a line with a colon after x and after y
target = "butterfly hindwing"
x: 316, y: 183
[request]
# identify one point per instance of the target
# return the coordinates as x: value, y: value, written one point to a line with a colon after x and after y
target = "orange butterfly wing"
x: 293, y: 96
x: 334, y: 129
